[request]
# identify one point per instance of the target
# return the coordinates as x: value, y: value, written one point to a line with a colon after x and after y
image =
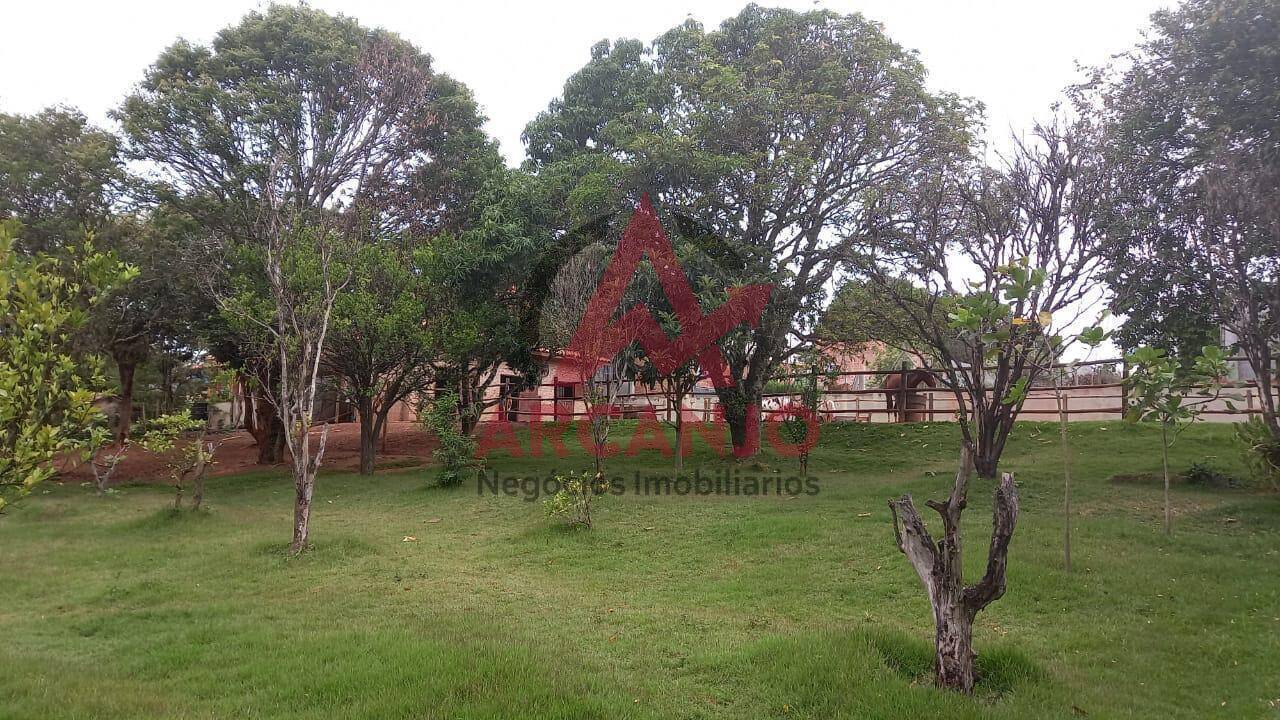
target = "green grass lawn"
x: 672, y: 607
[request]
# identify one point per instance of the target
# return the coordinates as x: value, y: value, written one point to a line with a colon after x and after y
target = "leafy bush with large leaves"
x: 47, y: 387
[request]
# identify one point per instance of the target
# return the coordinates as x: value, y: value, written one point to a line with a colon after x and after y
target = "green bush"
x: 456, y: 453
x: 1261, y: 450
x: 572, y: 502
x: 1206, y: 475
x: 48, y: 386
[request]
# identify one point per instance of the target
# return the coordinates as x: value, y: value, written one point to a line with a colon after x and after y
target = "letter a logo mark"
x: 597, y: 340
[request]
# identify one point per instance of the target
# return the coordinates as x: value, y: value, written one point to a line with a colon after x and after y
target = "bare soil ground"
x: 405, y: 444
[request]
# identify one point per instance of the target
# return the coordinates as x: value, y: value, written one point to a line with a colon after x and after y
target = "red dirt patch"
x: 405, y: 444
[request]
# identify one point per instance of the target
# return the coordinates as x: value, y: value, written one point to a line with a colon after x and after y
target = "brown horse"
x: 914, y: 379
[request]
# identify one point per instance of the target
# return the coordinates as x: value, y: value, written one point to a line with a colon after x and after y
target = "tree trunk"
x: 197, y: 490
x: 302, y: 514
x: 940, y: 567
x: 127, y: 369
x: 743, y: 417
x: 680, y: 438
x: 306, y: 463
x: 902, y: 391
x: 250, y: 401
x: 270, y: 436
x: 468, y: 423
x: 1063, y: 431
x: 953, y: 645
x: 467, y: 415
x: 986, y: 463
x: 1164, y: 460
x: 368, y: 435
x: 204, y: 455
x: 166, y: 381
x: 277, y: 440
x: 268, y: 433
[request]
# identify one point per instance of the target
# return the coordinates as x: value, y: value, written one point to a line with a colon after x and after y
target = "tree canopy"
x: 1205, y: 83
x: 771, y: 139
x: 60, y: 176
x: 327, y: 112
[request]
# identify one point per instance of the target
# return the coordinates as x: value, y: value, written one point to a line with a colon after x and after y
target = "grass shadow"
x: 168, y: 518
x: 1000, y: 670
x: 329, y: 550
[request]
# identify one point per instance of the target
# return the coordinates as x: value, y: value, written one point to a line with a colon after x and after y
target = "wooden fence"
x: 1093, y: 390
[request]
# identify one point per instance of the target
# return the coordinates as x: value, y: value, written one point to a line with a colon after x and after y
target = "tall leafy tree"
x: 489, y: 279
x: 771, y: 138
x: 985, y: 264
x: 153, y: 317
x: 65, y: 179
x: 380, y: 346
x: 307, y: 268
x: 346, y: 126
x: 1192, y: 124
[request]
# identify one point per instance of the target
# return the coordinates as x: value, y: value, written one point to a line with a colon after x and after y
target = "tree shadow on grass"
x: 330, y: 550
x: 1000, y: 669
x: 865, y: 674
x: 169, y: 518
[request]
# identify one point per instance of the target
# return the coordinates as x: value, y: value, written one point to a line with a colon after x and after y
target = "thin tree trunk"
x: 599, y: 436
x: 126, y: 369
x: 166, y: 391
x: 302, y: 514
x: 197, y: 489
x: 468, y: 417
x: 203, y: 457
x: 1066, y: 481
x: 1164, y: 459
x: 902, y: 391
x: 680, y: 438
x: 368, y: 435
x: 250, y: 401
x: 278, y: 443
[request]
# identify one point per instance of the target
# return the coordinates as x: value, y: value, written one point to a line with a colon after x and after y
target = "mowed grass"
x: 672, y: 607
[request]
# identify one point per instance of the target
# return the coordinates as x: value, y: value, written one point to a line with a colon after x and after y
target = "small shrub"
x: 572, y: 502
x: 456, y: 453
x: 190, y: 462
x: 1206, y: 475
x: 1261, y: 450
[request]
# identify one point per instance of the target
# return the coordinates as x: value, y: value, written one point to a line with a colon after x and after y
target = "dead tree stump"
x: 940, y: 567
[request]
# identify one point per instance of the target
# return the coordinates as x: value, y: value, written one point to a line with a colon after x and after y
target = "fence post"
x: 902, y: 393
x: 1124, y: 388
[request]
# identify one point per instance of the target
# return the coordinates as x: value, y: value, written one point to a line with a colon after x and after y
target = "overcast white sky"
x: 1015, y: 56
